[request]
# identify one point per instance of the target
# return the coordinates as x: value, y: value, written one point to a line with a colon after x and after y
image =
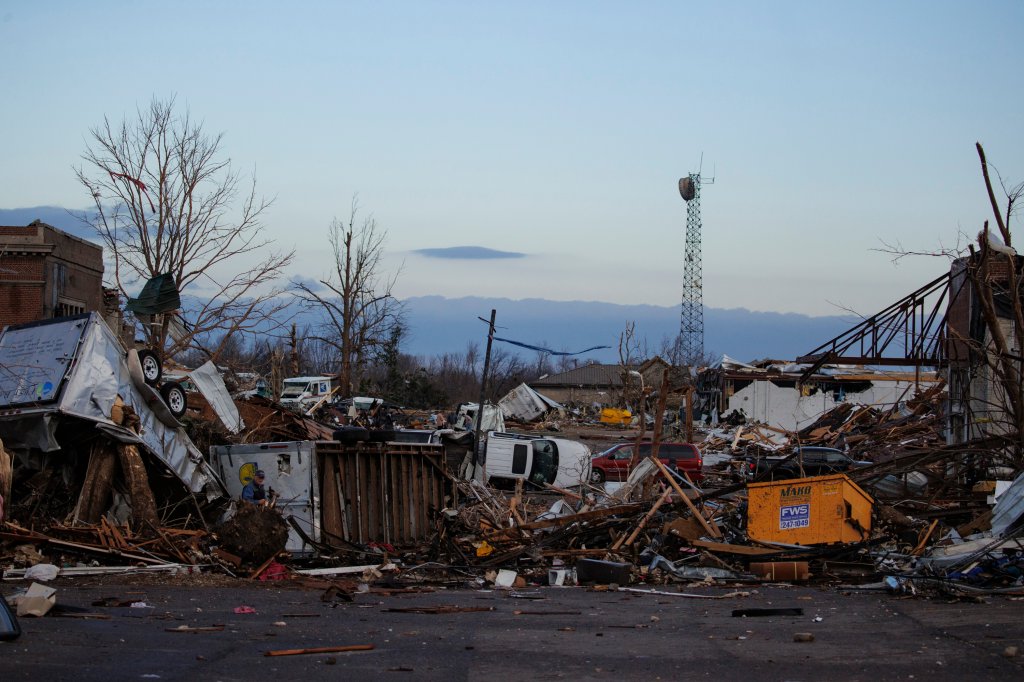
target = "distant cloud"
x: 468, y: 253
x: 308, y: 282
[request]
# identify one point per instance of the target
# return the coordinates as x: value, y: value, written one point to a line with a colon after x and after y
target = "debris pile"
x: 887, y: 503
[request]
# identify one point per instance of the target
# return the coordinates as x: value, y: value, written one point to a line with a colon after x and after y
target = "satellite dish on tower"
x: 686, y: 189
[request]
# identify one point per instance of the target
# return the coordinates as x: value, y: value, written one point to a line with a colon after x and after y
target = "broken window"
x: 519, y: 456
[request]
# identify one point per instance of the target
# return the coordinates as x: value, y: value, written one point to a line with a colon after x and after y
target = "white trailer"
x: 291, y: 470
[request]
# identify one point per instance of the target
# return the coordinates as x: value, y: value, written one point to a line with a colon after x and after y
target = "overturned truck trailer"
x: 336, y: 494
x: 74, y: 370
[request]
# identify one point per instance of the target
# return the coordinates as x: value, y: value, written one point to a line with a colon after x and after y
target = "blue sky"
x: 559, y: 131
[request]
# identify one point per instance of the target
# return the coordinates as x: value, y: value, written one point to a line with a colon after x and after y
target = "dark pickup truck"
x: 817, y: 461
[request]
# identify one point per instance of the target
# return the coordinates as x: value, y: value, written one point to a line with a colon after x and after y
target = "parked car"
x: 817, y: 461
x: 613, y: 463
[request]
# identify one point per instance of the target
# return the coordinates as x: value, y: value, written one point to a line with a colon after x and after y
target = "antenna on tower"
x: 691, y: 325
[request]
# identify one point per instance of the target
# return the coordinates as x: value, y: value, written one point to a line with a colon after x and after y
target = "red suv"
x: 613, y: 463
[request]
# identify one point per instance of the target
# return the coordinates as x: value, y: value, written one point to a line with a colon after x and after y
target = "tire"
x: 597, y: 476
x: 152, y: 368
x: 174, y: 396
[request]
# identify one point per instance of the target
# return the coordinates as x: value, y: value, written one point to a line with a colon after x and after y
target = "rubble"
x: 914, y: 515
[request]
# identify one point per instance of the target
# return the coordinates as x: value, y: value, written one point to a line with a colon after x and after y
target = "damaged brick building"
x: 46, y: 273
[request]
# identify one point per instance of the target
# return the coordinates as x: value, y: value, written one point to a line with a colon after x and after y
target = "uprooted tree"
x: 168, y: 201
x: 359, y: 313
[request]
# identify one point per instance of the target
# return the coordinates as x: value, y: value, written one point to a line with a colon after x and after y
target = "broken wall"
x: 783, y: 407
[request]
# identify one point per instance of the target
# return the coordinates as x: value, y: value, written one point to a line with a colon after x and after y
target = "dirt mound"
x: 254, y: 533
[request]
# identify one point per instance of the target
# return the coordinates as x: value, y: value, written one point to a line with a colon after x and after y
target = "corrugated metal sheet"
x: 1009, y: 507
x: 209, y: 382
x: 160, y: 295
x: 522, y: 402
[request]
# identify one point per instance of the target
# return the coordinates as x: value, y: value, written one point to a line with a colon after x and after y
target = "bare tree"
x: 631, y: 354
x: 997, y: 279
x: 166, y: 202
x: 357, y: 303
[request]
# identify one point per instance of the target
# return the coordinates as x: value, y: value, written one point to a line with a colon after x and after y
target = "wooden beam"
x: 727, y: 548
x: 712, y: 530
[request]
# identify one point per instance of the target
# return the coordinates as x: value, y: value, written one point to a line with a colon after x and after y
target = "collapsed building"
x: 925, y: 495
x: 776, y: 393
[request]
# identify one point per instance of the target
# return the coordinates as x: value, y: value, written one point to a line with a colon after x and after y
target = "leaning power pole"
x: 691, y: 327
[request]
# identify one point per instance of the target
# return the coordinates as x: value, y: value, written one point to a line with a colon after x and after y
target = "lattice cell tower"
x: 691, y: 327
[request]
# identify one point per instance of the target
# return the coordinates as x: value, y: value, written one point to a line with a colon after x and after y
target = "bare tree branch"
x: 360, y: 312
x: 168, y: 202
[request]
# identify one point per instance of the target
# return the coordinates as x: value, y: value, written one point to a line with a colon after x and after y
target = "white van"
x: 301, y: 392
x: 537, y: 459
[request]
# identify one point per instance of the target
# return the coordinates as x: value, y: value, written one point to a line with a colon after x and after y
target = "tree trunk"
x: 6, y: 473
x: 143, y: 502
x: 95, y: 495
x: 294, y: 345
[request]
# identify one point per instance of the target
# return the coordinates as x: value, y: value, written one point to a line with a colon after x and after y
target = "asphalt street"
x: 541, y: 634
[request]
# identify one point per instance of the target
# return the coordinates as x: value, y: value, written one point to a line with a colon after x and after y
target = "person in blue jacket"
x: 254, y: 492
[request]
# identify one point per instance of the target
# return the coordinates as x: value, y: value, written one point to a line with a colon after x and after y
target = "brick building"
x: 46, y: 273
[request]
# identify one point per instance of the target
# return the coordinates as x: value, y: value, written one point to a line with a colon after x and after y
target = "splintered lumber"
x: 440, y: 609
x: 726, y: 548
x: 561, y: 491
x: 569, y: 552
x: 227, y: 556
x: 134, y: 470
x: 319, y: 650
x: 262, y: 567
x: 195, y: 629
x: 736, y: 439
x: 170, y: 545
x: 711, y: 529
x: 643, y: 522
x: 663, y: 593
x: 624, y: 509
x: 924, y: 538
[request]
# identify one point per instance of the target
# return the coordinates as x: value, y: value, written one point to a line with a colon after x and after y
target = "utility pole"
x: 483, y: 389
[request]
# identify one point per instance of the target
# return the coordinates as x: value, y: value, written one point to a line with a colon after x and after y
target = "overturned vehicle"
x: 86, y: 438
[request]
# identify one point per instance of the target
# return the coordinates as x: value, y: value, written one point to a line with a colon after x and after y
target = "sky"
x: 556, y: 132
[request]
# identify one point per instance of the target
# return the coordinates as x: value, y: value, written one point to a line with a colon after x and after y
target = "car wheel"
x: 596, y: 476
x: 174, y: 395
x: 152, y: 369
